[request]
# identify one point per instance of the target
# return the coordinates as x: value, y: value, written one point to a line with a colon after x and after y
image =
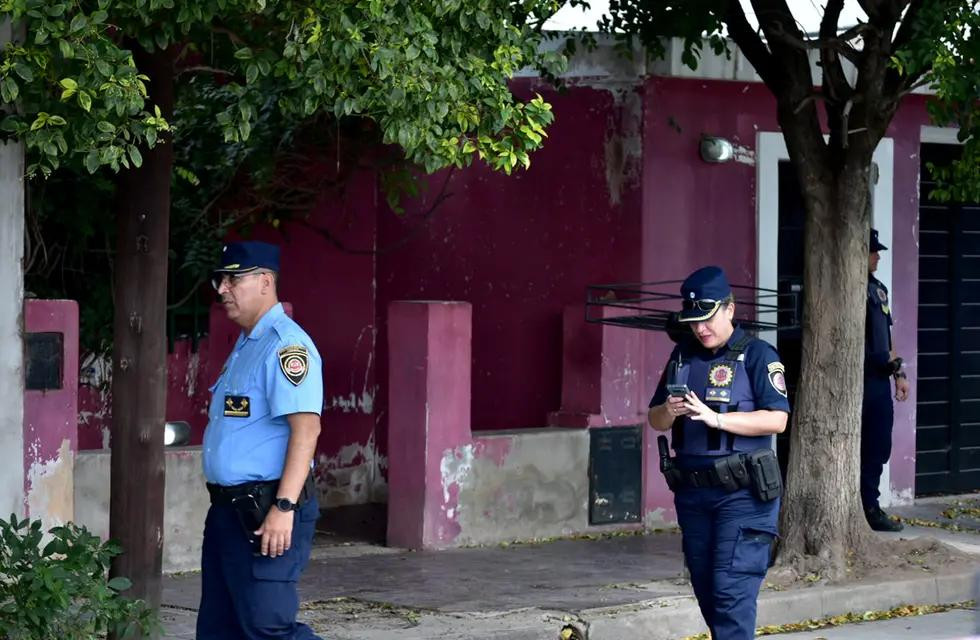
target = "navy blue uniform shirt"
x: 878, y: 335
x: 768, y: 390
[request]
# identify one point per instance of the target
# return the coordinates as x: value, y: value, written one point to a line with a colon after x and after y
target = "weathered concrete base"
x: 185, y: 503
x: 520, y: 485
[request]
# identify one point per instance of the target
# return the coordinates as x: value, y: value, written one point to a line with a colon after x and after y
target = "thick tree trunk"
x: 822, y: 520
x: 139, y: 375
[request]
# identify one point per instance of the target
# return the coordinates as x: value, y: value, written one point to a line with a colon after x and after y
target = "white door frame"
x: 770, y: 150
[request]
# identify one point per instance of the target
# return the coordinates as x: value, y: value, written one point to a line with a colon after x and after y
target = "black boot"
x: 880, y: 521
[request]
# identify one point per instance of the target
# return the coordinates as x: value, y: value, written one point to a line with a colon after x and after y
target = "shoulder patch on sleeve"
x: 294, y: 362
x: 777, y: 377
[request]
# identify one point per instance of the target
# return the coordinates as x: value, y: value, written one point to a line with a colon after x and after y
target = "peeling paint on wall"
x: 516, y: 486
x: 353, y: 476
x: 50, y: 487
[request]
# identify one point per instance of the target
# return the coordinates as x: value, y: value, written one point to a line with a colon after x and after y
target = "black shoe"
x: 880, y: 521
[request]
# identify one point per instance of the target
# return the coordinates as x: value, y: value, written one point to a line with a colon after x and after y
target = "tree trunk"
x: 822, y: 520
x: 139, y: 374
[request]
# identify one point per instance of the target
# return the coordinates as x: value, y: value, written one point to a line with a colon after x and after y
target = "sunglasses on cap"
x: 705, y: 304
x: 233, y: 278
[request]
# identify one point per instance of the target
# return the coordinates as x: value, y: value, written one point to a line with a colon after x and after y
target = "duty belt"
x: 225, y: 495
x: 702, y: 478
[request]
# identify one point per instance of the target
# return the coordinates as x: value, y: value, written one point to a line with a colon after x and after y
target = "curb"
x: 670, y: 619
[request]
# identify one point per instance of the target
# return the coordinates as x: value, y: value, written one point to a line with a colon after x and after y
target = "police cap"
x: 703, y: 293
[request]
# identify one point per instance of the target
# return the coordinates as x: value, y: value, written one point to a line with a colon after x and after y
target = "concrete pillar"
x: 601, y: 372
x: 51, y: 412
x: 429, y: 394
x: 11, y: 321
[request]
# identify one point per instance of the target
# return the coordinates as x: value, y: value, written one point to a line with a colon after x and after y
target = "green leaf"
x: 78, y: 23
x: 85, y: 100
x: 120, y: 583
x: 68, y: 83
x: 67, y: 51
x: 24, y: 72
x: 92, y: 161
x: 135, y: 156
x: 106, y: 127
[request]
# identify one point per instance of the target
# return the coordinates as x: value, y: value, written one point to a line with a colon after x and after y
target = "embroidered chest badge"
x: 294, y: 362
x: 721, y: 375
x: 882, y: 295
x: 237, y: 407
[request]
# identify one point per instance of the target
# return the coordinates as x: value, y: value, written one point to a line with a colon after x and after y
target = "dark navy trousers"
x: 877, y: 418
x: 246, y: 596
x: 727, y: 541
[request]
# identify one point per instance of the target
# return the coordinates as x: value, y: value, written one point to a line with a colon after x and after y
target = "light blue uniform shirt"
x: 262, y: 382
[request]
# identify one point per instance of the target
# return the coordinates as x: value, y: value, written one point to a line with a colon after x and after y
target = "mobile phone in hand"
x: 678, y: 390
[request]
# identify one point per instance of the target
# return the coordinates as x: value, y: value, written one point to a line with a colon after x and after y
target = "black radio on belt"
x: 767, y: 482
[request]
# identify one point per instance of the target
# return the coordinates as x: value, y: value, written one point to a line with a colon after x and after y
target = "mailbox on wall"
x: 44, y: 360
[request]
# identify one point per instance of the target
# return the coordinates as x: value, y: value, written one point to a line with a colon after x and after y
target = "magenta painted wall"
x: 617, y: 194
x: 50, y: 415
x: 906, y: 132
x: 331, y: 291
x: 520, y: 248
x: 696, y: 213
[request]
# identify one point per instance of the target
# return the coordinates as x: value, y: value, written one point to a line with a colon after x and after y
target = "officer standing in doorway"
x: 723, y: 396
x: 877, y: 412
x: 263, y: 424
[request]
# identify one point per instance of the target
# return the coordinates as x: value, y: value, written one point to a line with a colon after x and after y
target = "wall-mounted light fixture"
x: 716, y: 150
x: 176, y: 434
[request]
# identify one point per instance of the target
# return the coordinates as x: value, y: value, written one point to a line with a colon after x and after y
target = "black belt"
x: 225, y: 495
x: 701, y: 478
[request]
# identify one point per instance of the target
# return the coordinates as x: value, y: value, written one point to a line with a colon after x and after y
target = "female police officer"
x: 723, y: 395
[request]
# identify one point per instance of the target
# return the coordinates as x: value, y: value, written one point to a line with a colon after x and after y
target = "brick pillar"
x: 429, y: 395
x: 50, y: 409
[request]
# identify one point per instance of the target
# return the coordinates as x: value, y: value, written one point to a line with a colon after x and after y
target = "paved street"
x: 617, y: 588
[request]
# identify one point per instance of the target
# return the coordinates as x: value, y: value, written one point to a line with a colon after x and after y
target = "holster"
x: 671, y: 473
x: 763, y: 467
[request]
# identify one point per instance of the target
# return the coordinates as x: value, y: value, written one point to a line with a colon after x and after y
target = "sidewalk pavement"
x: 614, y: 588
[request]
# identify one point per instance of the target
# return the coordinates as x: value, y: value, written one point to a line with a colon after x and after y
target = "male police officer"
x: 258, y: 450
x: 877, y: 412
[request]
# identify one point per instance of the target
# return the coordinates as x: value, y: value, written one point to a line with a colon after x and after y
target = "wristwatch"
x: 284, y: 504
x: 898, y: 375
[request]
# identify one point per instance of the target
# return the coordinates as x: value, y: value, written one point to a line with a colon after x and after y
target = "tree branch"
x: 776, y: 19
x: 835, y: 84
x: 200, y: 68
x: 838, y: 45
x: 751, y: 44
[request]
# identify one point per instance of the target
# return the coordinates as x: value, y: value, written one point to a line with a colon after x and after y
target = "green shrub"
x: 60, y: 590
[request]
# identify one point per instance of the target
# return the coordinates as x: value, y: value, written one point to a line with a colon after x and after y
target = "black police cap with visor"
x: 238, y: 258
x: 874, y: 244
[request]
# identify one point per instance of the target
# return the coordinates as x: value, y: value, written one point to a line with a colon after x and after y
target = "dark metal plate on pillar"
x: 44, y: 361
x: 615, y: 474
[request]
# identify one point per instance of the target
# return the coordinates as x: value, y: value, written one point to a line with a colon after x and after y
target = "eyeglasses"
x: 701, y: 305
x: 232, y: 279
